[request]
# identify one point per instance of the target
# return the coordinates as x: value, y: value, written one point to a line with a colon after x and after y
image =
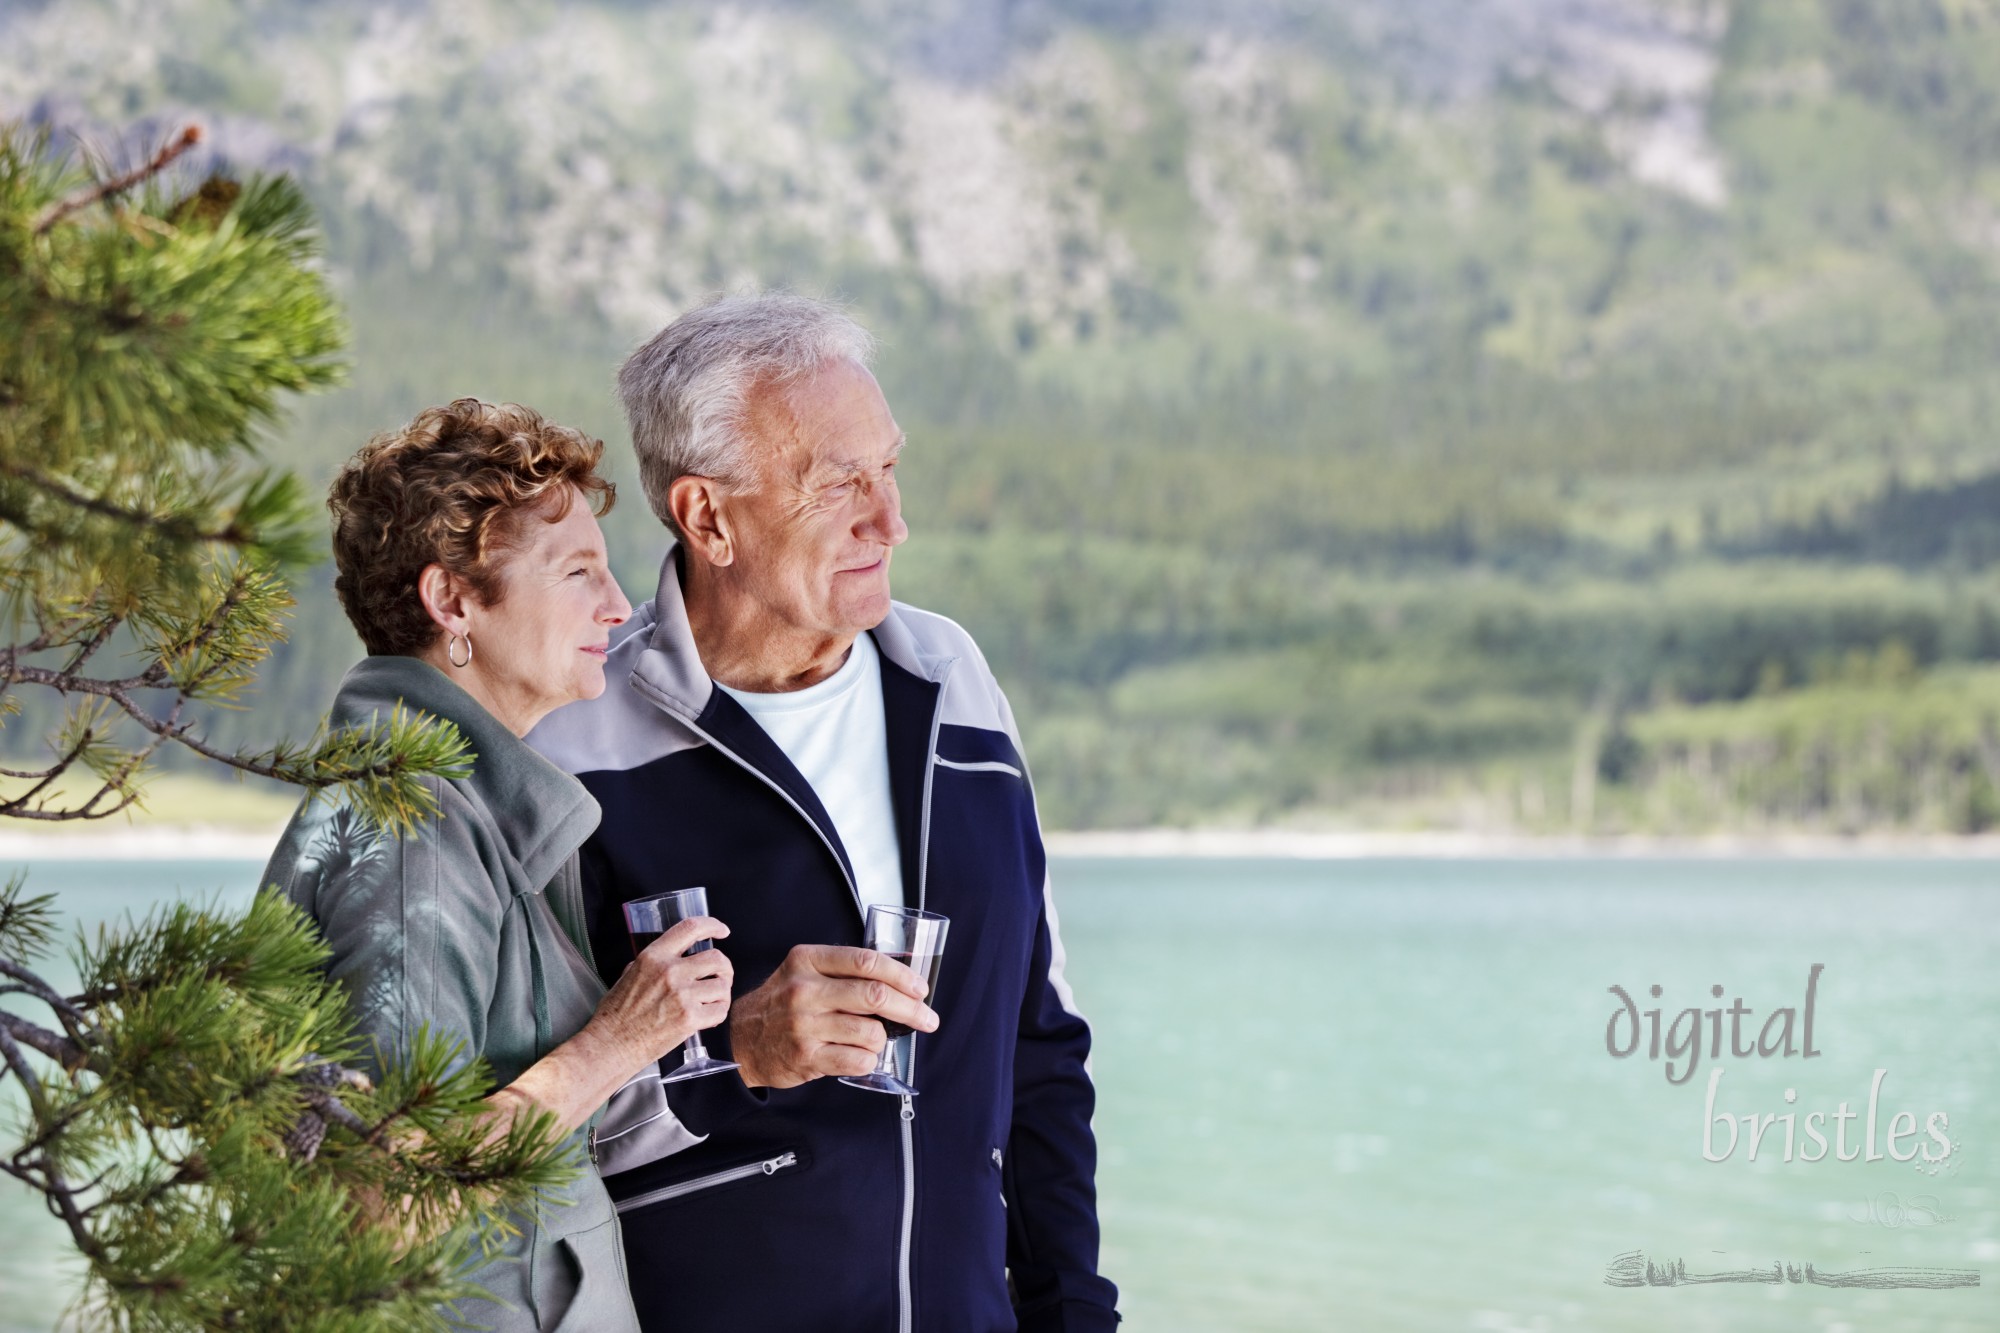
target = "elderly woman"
x: 472, y: 565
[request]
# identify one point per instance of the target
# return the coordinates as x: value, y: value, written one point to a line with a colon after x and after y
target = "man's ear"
x: 446, y: 598
x: 696, y: 504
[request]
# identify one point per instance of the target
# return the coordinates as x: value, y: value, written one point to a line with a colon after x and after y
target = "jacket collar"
x: 541, y: 813
x: 671, y: 671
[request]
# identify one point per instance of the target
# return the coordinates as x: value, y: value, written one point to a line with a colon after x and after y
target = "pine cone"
x: 302, y: 1140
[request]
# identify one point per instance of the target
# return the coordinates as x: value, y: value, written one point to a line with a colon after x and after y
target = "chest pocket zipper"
x: 770, y: 1166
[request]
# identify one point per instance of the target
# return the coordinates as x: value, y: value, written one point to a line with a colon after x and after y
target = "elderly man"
x: 780, y: 732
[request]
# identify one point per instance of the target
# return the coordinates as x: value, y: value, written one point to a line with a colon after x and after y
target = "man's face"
x: 811, y: 537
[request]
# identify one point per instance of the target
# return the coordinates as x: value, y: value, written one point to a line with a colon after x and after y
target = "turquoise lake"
x: 1376, y: 1095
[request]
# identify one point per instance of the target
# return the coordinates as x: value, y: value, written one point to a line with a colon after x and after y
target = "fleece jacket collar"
x: 541, y: 813
x: 670, y: 671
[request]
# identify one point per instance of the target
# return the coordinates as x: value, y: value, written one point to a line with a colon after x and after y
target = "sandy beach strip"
x: 161, y: 842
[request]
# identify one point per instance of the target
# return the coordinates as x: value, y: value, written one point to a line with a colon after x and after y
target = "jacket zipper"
x: 770, y: 1166
x: 906, y: 1322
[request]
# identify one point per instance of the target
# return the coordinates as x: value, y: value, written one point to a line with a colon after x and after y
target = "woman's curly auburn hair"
x: 453, y: 489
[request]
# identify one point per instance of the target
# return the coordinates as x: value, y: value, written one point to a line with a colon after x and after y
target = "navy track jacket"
x: 824, y: 1207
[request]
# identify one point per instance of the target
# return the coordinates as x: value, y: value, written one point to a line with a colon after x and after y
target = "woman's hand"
x: 662, y: 999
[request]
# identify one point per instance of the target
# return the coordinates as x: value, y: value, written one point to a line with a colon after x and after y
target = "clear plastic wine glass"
x: 649, y: 918
x: 915, y: 939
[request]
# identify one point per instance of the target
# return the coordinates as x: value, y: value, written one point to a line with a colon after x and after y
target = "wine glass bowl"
x: 646, y: 919
x: 914, y: 938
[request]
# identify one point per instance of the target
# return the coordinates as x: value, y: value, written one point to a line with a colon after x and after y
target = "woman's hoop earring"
x: 451, y: 650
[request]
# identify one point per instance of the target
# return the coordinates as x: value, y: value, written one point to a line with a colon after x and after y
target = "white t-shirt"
x: 837, y: 736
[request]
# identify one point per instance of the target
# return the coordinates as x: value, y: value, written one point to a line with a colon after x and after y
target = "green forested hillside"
x: 1538, y: 415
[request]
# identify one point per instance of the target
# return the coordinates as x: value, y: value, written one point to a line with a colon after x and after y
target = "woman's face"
x: 542, y: 644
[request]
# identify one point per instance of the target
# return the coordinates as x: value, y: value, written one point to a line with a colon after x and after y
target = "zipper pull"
x: 777, y: 1164
x: 590, y: 1144
x: 909, y: 1108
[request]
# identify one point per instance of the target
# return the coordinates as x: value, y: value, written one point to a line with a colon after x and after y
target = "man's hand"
x: 820, y: 1013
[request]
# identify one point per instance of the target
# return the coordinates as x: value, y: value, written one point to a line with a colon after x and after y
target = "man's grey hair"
x: 687, y: 389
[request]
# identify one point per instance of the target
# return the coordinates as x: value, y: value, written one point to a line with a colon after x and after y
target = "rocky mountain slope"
x: 1538, y: 413
x: 1073, y: 172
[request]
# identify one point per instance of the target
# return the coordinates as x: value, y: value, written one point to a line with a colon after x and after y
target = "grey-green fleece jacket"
x: 472, y: 926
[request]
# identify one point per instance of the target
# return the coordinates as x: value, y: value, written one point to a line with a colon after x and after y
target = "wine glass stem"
x: 695, y: 1051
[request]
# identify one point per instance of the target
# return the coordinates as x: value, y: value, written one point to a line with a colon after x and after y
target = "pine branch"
x: 152, y: 678
x: 175, y: 527
x: 255, y: 1152
x: 42, y: 642
x: 421, y: 1098
x: 93, y: 808
x: 27, y: 925
x: 25, y: 774
x: 56, y: 626
x: 197, y: 1081
x: 118, y: 185
x: 31, y: 1084
x: 52, y: 1131
x: 87, y: 649
x: 55, y: 1189
x: 381, y: 768
x: 119, y: 781
x: 171, y: 728
x: 47, y: 994
x: 84, y: 741
x: 65, y: 1052
x: 212, y: 654
x: 18, y: 806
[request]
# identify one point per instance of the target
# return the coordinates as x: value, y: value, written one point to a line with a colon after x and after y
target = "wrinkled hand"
x: 662, y: 999
x: 820, y: 1013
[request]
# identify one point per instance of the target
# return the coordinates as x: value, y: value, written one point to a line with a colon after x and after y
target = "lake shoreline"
x: 1282, y: 844
x: 195, y: 843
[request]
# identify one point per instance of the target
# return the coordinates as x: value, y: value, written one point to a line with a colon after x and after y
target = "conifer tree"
x: 188, y: 1114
